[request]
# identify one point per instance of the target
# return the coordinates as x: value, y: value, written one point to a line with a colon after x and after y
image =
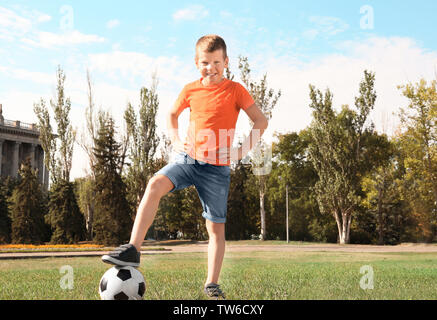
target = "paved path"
x: 203, y: 247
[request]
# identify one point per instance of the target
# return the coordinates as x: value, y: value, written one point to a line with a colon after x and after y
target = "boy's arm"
x: 172, y: 127
x: 260, y: 124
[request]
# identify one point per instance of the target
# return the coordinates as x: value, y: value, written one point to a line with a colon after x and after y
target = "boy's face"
x: 211, y: 66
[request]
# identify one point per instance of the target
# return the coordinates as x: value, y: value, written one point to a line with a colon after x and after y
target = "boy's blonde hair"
x: 210, y: 43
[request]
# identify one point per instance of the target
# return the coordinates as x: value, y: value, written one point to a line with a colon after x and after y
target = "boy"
x: 203, y: 159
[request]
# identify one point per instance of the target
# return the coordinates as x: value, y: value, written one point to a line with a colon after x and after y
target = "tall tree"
x: 5, y: 221
x: 27, y: 208
x: 384, y: 201
x: 58, y: 149
x: 266, y: 99
x: 64, y: 215
x: 143, y: 141
x: 292, y: 168
x: 85, y: 191
x: 419, y: 146
x: 61, y: 106
x: 240, y: 222
x: 337, y: 152
x: 57, y: 157
x: 192, y: 223
x: 47, y: 138
x: 112, y: 214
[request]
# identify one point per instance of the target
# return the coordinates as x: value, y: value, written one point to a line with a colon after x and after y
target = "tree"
x: 112, y: 214
x: 383, y: 200
x: 240, y: 222
x: 58, y: 158
x: 27, y: 208
x: 47, y: 138
x: 292, y: 167
x: 61, y: 107
x: 192, y: 223
x: 143, y: 141
x: 265, y: 99
x: 337, y: 152
x: 419, y: 146
x: 85, y: 190
x: 5, y: 221
x: 64, y: 215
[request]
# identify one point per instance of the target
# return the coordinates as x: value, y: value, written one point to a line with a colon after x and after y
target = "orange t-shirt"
x: 213, y: 115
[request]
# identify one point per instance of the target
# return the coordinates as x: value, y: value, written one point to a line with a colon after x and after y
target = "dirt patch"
x: 203, y: 247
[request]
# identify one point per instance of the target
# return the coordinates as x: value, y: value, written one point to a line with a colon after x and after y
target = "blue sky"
x: 326, y: 43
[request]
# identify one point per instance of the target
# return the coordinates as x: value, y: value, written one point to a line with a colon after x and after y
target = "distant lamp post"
x: 286, y: 209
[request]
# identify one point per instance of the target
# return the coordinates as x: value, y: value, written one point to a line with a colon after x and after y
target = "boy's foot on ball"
x: 125, y: 255
x: 213, y: 291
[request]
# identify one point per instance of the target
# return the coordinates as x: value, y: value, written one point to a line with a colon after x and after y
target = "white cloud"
x: 51, y: 40
x: 18, y: 105
x: 23, y: 26
x: 324, y: 26
x: 43, y: 18
x: 27, y: 75
x: 395, y: 61
x: 12, y: 24
x: 194, y: 12
x: 136, y: 68
x: 112, y: 24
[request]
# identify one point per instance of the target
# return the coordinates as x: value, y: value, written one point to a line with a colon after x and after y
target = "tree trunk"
x: 263, y: 216
x: 339, y: 225
x: 343, y: 224
x: 89, y: 222
x: 380, y: 220
x: 262, y: 188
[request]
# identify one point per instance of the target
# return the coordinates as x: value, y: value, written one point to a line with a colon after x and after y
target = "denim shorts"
x: 211, y: 182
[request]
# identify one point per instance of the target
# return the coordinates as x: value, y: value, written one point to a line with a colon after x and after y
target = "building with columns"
x: 19, y: 141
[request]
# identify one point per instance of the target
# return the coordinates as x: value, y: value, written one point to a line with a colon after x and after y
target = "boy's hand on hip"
x: 179, y: 146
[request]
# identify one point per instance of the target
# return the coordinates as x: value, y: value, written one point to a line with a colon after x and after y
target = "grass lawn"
x: 245, y: 276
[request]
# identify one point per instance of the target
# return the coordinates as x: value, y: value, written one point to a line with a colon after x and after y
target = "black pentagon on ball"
x: 103, y: 284
x: 124, y: 274
x: 121, y: 296
x: 141, y: 288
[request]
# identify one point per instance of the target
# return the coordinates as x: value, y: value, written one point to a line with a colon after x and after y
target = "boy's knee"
x: 160, y: 185
x: 215, y: 229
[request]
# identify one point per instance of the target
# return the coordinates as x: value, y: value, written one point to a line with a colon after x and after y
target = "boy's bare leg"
x: 157, y: 187
x: 216, y: 250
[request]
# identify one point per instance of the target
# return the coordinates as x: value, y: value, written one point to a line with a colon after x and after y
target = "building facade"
x: 19, y: 141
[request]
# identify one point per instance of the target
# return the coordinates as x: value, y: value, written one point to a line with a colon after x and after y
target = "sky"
x: 328, y: 44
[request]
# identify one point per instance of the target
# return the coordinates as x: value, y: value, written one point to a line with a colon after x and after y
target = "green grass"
x: 245, y: 275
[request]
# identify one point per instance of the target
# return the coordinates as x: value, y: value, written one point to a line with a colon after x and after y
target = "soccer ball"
x: 122, y: 283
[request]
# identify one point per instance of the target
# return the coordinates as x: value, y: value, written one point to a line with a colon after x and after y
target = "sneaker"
x: 213, y: 291
x: 125, y: 255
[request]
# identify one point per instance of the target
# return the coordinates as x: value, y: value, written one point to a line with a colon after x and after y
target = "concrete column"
x: 32, y: 156
x: 40, y: 164
x: 15, y: 159
x: 45, y: 175
x: 1, y: 155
